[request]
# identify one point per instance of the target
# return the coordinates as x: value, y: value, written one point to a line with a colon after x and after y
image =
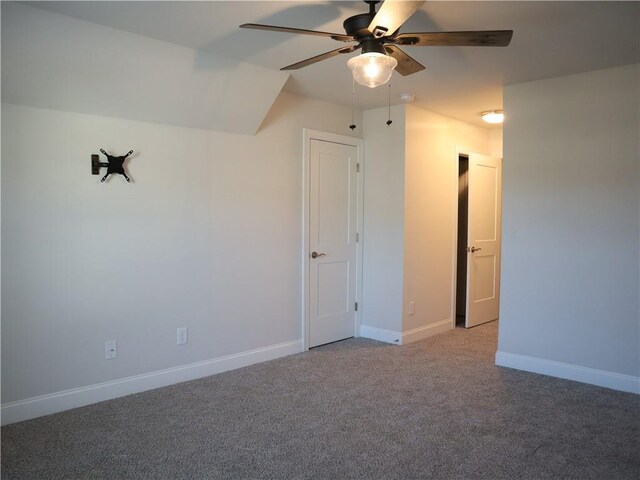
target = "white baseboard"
x: 381, y: 334
x: 57, y: 402
x: 426, y: 331
x: 593, y: 376
x: 401, y: 338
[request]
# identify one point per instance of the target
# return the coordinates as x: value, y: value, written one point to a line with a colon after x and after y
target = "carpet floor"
x: 357, y: 409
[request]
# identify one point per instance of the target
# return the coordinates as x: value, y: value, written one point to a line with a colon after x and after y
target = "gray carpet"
x: 357, y: 409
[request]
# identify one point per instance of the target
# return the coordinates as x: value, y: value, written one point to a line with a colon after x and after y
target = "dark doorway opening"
x: 463, y: 227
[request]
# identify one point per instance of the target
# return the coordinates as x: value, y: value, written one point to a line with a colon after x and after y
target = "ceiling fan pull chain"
x: 389, y: 122
x: 353, y: 96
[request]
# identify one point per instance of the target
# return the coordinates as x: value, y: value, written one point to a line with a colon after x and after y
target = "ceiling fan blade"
x: 273, y: 28
x: 391, y: 15
x: 490, y: 38
x: 406, y: 64
x: 318, y: 58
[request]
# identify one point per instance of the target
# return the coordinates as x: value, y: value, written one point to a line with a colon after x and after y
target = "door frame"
x: 308, y: 135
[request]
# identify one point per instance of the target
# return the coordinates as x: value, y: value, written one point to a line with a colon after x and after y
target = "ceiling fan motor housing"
x: 358, y: 27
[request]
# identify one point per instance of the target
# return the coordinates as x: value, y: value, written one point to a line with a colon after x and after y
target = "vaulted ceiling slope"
x: 550, y: 39
x: 54, y: 61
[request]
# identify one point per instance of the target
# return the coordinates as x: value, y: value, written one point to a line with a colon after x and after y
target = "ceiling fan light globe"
x: 372, y: 69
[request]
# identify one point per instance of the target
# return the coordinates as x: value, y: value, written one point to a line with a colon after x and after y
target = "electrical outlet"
x: 412, y: 308
x: 182, y: 336
x: 110, y: 350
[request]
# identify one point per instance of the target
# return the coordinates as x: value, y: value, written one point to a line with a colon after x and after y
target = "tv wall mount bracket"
x: 114, y: 165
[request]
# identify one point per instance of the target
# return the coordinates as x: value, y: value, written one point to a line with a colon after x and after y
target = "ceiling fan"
x: 377, y: 35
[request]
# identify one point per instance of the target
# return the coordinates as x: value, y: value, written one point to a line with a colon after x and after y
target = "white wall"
x: 208, y: 236
x: 409, y: 219
x: 383, y: 218
x: 571, y: 240
x: 495, y: 142
x: 431, y: 186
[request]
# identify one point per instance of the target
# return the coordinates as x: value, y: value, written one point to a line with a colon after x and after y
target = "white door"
x: 333, y: 189
x: 483, y: 243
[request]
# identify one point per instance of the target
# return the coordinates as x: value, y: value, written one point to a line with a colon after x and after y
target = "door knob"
x: 474, y: 249
x: 316, y: 254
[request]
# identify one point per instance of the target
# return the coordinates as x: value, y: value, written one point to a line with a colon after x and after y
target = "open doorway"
x: 478, y: 223
x: 463, y: 228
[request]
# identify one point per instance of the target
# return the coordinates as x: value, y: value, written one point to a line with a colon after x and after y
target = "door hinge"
x: 357, y: 237
x: 356, y: 306
x: 357, y: 168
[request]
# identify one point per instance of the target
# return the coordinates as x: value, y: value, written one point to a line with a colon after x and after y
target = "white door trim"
x: 308, y: 135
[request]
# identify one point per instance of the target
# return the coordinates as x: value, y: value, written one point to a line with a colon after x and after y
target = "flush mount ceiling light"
x: 493, y: 116
x: 372, y: 69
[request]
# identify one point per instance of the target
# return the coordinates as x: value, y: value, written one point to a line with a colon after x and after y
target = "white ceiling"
x: 550, y: 39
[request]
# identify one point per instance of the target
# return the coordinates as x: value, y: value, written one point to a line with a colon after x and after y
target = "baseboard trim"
x: 381, y: 334
x: 426, y: 331
x: 593, y: 376
x: 78, y: 397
